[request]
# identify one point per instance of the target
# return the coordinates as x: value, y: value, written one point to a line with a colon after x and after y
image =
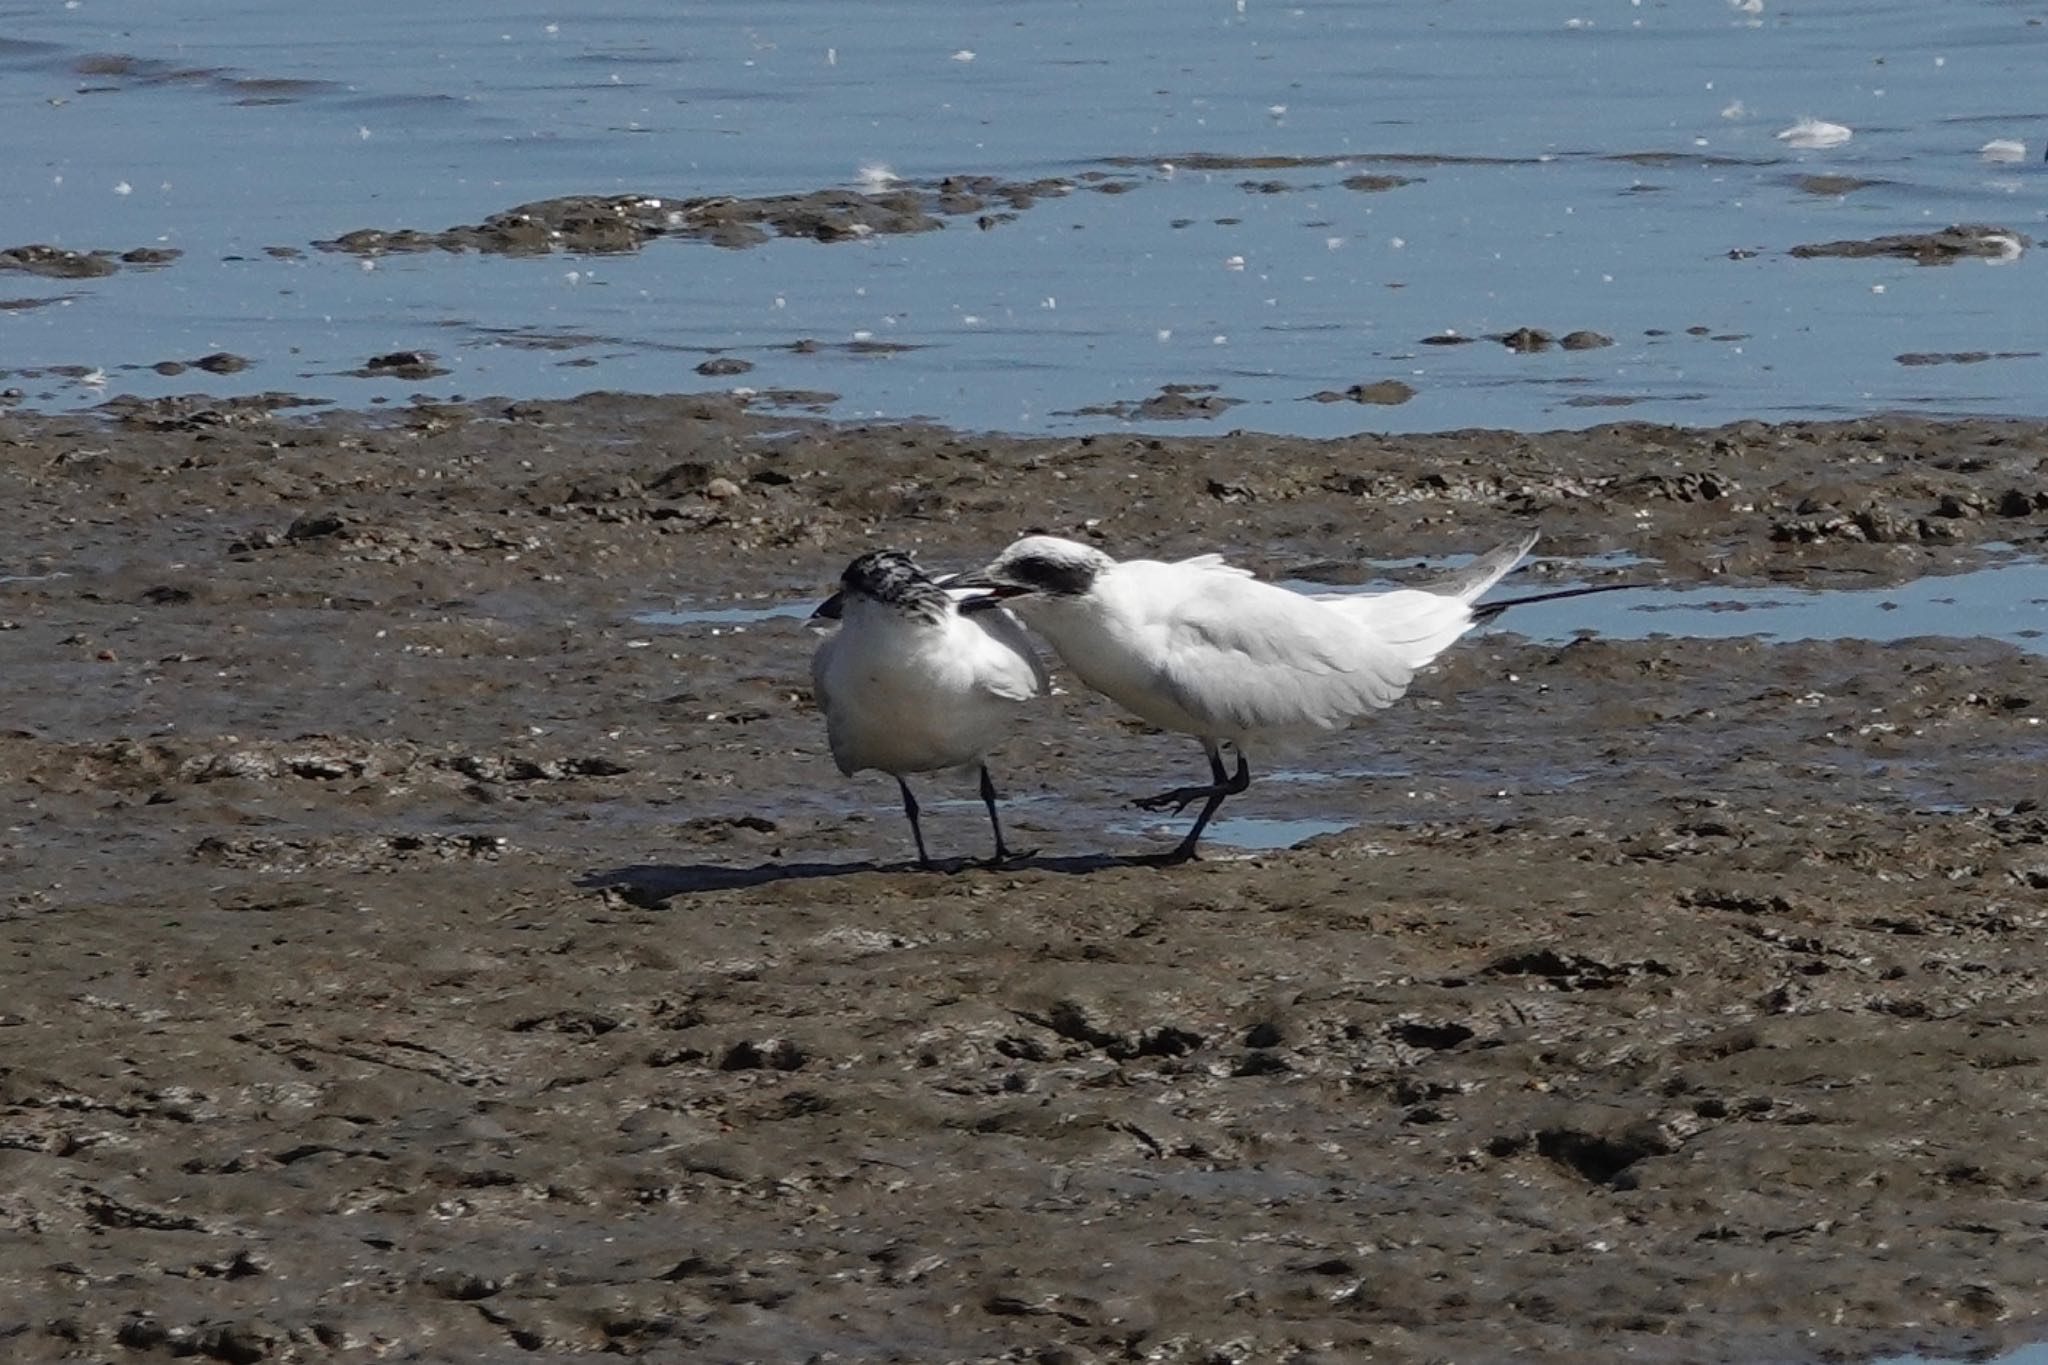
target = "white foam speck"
x: 1810, y: 134
x: 2003, y: 150
x: 2010, y: 248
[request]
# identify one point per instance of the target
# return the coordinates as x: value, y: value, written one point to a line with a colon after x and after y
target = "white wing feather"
x: 1012, y: 668
x: 1421, y: 623
x: 1245, y: 656
x: 1212, y: 563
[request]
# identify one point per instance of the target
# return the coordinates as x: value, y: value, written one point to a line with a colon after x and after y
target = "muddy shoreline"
x: 417, y: 956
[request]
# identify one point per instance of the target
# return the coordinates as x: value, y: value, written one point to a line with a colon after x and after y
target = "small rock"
x: 465, y: 1286
x: 242, y: 1343
x: 721, y: 490
x: 221, y: 362
x: 1385, y: 392
x: 314, y: 526
x: 1585, y: 341
x: 400, y: 365
x: 1370, y: 184
x: 1527, y: 340
x: 770, y: 1054
x: 724, y: 365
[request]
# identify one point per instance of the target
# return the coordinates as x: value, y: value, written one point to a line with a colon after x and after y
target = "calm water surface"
x: 1584, y: 166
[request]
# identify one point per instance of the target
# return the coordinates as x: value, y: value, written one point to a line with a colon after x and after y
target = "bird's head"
x: 889, y: 577
x: 1039, y: 568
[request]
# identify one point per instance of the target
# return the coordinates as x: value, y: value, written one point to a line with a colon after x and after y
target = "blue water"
x: 2008, y: 602
x: 2026, y: 1355
x: 240, y: 126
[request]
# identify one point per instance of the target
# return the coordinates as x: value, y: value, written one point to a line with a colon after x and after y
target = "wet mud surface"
x: 415, y: 956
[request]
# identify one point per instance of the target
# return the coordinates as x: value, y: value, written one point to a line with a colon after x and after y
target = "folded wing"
x: 1011, y: 668
x: 1244, y: 656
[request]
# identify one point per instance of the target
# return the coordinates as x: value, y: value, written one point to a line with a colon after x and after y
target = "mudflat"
x: 414, y: 954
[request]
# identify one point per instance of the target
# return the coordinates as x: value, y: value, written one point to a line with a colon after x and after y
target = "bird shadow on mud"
x: 651, y: 885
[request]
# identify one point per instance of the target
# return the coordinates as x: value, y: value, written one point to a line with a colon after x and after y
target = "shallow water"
x: 2025, y: 1355
x: 2008, y: 602
x: 1250, y: 832
x: 728, y: 616
x: 1614, y: 209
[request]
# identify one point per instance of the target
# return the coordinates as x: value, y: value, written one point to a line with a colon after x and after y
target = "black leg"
x: 917, y: 832
x: 988, y: 798
x: 1236, y: 783
x: 1180, y: 798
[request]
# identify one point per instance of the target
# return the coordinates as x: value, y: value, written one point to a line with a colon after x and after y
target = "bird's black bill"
x: 1487, y: 611
x: 996, y: 588
x: 831, y: 609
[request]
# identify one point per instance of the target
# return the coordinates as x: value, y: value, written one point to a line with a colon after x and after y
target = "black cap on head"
x: 893, y: 577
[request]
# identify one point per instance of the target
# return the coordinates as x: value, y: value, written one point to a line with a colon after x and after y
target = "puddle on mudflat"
x: 1262, y: 832
x: 2008, y: 602
x: 2025, y: 1355
x: 1246, y: 833
x: 684, y: 615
